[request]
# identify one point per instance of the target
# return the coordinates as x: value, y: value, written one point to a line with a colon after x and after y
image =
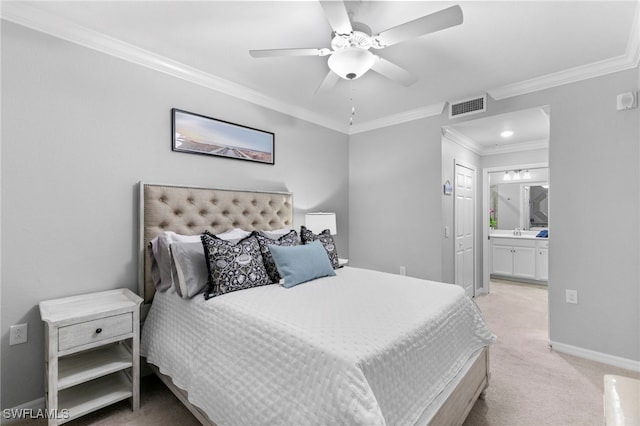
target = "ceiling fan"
x: 349, y: 54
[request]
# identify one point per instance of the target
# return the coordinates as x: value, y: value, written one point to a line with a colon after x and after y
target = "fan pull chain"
x: 353, y: 108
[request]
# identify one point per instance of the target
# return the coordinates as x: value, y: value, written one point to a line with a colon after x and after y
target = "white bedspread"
x: 360, y: 348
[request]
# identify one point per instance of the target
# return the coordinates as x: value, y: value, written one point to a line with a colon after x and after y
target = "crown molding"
x: 42, y: 21
x: 458, y: 138
x: 402, y: 117
x: 516, y: 147
x: 630, y: 59
x: 39, y: 20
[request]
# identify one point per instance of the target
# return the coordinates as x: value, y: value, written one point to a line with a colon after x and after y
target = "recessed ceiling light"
x: 507, y: 133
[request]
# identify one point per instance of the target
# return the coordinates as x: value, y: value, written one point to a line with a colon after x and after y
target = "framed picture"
x: 199, y: 134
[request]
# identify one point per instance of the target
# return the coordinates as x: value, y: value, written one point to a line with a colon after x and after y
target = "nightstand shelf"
x: 89, y: 365
x: 95, y: 394
x: 92, y: 355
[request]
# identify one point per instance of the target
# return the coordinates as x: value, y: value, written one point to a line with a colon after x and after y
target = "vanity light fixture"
x: 507, y: 176
x: 527, y: 175
x: 507, y: 133
x: 516, y: 175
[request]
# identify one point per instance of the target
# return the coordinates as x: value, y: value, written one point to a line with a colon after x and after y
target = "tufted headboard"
x: 191, y: 210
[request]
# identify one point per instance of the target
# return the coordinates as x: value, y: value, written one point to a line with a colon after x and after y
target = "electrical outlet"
x: 403, y: 270
x: 17, y: 334
x: 571, y: 296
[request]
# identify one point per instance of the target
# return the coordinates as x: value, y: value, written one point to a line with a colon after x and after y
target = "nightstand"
x: 92, y: 352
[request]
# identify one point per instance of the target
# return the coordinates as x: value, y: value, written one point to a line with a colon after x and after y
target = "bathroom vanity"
x: 521, y: 257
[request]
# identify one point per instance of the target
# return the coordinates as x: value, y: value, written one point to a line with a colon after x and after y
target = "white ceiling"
x: 503, y: 48
x: 530, y: 129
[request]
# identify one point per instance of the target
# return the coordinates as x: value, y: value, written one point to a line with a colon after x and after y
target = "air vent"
x: 468, y: 106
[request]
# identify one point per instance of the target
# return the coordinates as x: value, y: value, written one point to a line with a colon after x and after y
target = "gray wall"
x: 394, y: 199
x: 593, y: 150
x: 80, y: 129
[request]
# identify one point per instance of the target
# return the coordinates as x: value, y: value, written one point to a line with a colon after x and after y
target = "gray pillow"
x: 160, y: 264
x: 188, y: 268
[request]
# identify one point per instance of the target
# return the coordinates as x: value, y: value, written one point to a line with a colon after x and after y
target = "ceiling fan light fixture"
x: 351, y: 63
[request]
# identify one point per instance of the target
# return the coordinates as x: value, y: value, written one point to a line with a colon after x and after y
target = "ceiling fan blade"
x: 329, y: 81
x: 337, y: 15
x: 393, y: 72
x: 268, y: 53
x: 433, y: 22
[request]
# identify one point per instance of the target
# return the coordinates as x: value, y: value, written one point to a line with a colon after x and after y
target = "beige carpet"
x: 530, y: 385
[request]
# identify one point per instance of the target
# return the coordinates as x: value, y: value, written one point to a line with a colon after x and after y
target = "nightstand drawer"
x: 84, y: 333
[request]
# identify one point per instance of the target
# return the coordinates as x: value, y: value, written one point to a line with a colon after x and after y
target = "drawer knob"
x: 98, y: 330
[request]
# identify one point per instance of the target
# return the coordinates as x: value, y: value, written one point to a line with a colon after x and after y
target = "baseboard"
x: 616, y: 361
x: 7, y: 417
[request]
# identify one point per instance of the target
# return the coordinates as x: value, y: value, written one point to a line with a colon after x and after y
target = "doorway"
x: 507, y: 206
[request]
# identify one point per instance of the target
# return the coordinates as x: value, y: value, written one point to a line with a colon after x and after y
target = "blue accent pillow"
x: 299, y: 264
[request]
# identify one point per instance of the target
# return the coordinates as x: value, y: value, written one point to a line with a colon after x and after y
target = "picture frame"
x: 198, y: 134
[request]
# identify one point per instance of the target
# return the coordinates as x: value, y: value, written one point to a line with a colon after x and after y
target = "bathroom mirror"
x: 519, y: 199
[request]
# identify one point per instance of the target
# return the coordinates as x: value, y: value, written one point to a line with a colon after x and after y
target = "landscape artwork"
x: 199, y: 134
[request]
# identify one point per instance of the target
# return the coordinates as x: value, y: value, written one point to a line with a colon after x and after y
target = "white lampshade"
x: 351, y: 63
x: 318, y: 222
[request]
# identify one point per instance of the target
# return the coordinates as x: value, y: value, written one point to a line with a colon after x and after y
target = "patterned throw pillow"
x: 326, y: 239
x: 233, y: 266
x: 289, y: 239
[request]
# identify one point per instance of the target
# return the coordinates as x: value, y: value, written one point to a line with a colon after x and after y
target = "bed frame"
x: 192, y: 210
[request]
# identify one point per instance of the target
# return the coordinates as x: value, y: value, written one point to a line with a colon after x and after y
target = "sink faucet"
x: 517, y: 232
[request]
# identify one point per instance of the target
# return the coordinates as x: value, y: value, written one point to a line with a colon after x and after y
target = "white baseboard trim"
x: 616, y: 361
x: 6, y: 417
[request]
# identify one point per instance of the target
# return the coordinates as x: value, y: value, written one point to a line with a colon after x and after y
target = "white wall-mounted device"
x: 627, y: 100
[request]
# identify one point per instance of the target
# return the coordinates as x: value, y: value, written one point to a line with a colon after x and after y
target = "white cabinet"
x: 92, y: 356
x: 502, y: 259
x: 542, y: 260
x: 524, y: 262
x: 519, y: 258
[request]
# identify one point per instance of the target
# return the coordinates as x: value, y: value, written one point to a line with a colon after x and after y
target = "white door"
x: 464, y: 213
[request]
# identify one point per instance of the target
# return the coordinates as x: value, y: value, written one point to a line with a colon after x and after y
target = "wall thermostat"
x: 627, y: 101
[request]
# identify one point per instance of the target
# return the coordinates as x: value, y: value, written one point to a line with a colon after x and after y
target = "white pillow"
x: 172, y: 237
x: 161, y: 261
x: 276, y: 233
x: 232, y: 234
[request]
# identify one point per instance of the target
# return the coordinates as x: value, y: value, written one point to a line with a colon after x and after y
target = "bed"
x: 356, y: 348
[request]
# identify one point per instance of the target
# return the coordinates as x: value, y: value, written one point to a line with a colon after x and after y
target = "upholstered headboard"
x: 191, y: 210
